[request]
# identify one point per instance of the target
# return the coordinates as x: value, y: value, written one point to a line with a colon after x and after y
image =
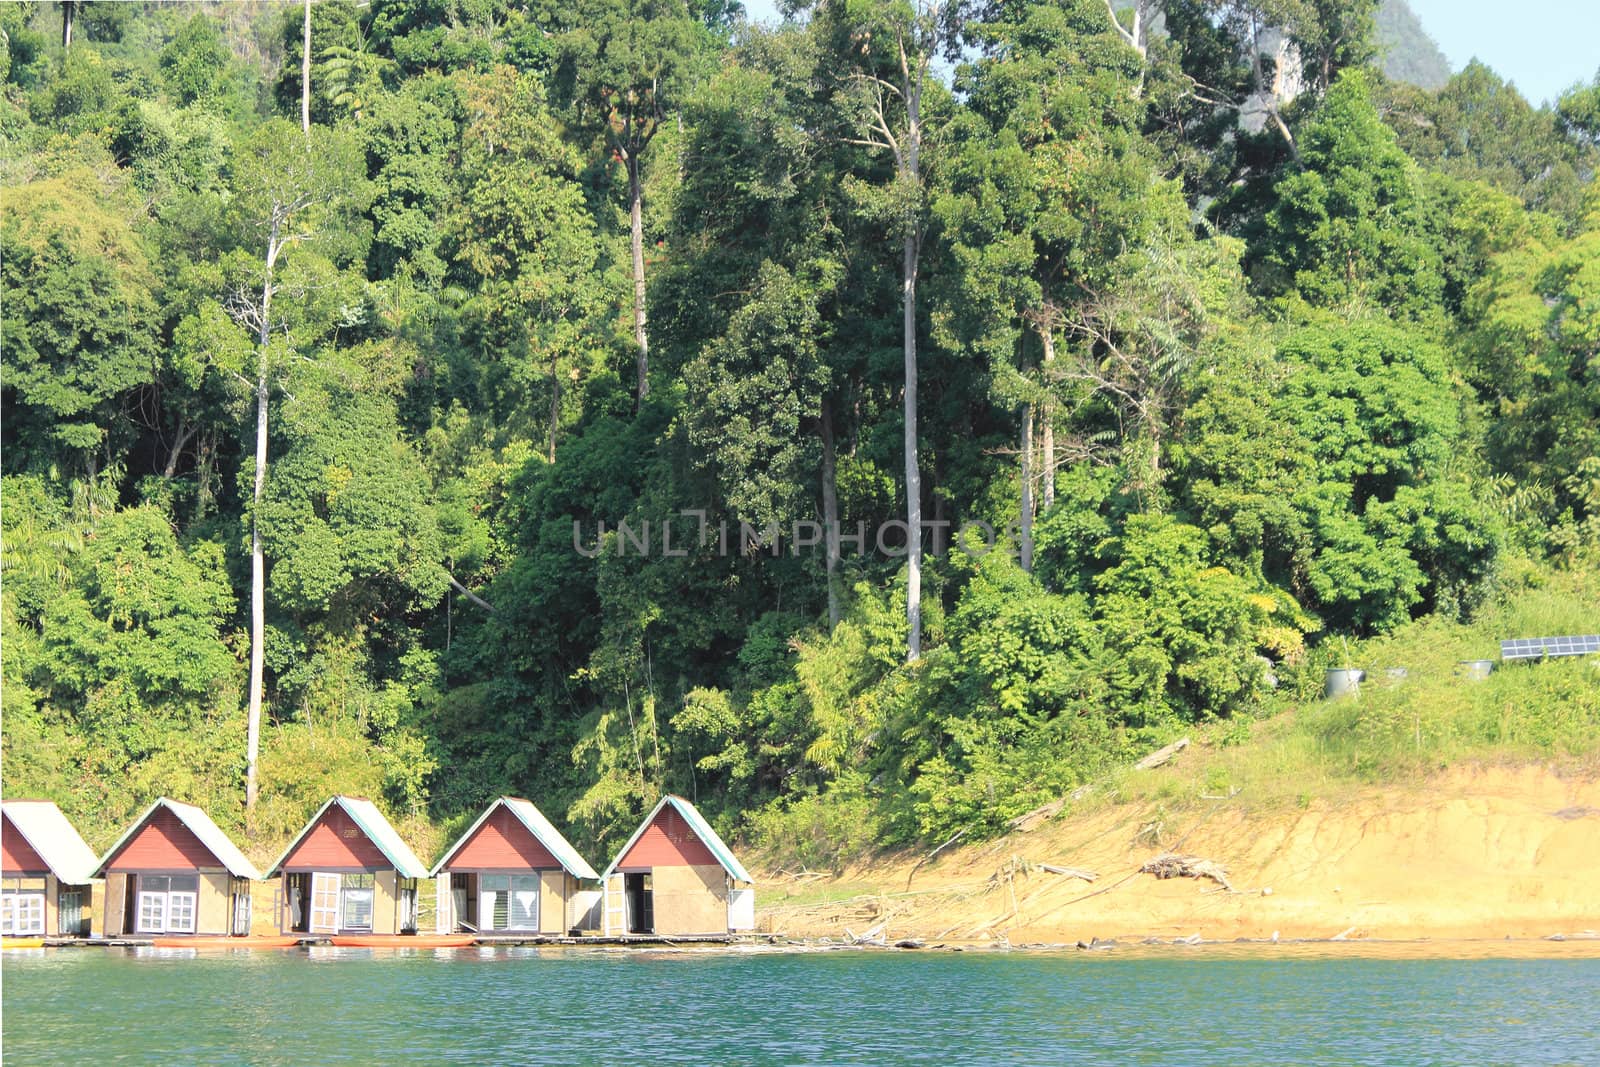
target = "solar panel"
x: 1543, y: 647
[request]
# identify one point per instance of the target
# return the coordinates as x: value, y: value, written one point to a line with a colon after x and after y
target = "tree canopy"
x: 556, y: 414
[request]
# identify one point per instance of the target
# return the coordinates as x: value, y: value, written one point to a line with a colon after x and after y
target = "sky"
x: 1544, y: 46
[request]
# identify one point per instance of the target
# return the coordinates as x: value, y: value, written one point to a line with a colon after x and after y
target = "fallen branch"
x: 1162, y: 755
x: 472, y: 597
x: 956, y: 837
x: 1042, y: 813
x: 1070, y: 872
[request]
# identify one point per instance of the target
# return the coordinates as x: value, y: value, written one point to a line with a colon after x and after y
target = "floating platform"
x: 403, y: 940
x: 289, y: 941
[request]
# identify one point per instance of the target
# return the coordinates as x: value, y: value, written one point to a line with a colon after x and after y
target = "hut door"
x: 324, y: 903
x: 616, y: 907
x: 241, y: 907
x: 641, y: 903
x: 73, y: 918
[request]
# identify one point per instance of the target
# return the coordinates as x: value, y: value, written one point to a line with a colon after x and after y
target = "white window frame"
x: 490, y: 886
x: 182, y: 904
x: 164, y: 910
x: 157, y: 922
x: 22, y: 914
x: 351, y: 895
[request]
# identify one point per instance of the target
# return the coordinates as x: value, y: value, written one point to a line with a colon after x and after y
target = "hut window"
x: 22, y: 907
x: 167, y: 903
x: 356, y: 902
x: 509, y: 902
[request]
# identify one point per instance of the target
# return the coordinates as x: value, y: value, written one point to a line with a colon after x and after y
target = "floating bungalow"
x: 513, y: 873
x: 348, y: 872
x: 45, y: 872
x: 174, y: 872
x: 676, y: 878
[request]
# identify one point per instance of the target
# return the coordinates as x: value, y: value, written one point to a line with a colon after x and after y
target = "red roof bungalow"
x: 676, y: 878
x: 348, y: 872
x: 513, y: 873
x: 175, y: 872
x: 45, y: 871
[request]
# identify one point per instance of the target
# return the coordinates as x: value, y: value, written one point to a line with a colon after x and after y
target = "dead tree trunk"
x: 258, y: 563
x: 1025, y: 538
x: 830, y: 512
x: 641, y: 337
x: 305, y: 73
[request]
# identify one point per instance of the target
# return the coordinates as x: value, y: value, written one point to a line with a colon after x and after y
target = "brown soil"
x: 1482, y: 853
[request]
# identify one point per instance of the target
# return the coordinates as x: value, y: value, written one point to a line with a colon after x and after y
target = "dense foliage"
x: 540, y: 364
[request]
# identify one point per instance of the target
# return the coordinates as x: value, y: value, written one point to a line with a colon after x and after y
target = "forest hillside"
x: 872, y: 427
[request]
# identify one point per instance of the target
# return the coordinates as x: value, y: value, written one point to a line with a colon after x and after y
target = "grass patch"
x: 1402, y: 729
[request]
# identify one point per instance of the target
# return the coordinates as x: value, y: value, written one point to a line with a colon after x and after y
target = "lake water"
x: 1187, y: 1006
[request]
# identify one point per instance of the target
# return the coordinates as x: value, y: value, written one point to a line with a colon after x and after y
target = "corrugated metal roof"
x: 531, y: 817
x: 56, y: 840
x: 702, y: 829
x: 378, y: 831
x: 198, y: 823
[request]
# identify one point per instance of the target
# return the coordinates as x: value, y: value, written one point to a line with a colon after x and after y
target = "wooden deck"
x: 423, y: 941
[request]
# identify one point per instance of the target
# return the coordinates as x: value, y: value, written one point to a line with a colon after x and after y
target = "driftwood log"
x: 1162, y: 755
x: 1172, y: 865
x: 1070, y: 872
x: 1032, y: 819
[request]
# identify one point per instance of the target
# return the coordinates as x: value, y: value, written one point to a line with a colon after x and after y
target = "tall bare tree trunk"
x: 305, y: 73
x: 910, y: 252
x: 1025, y: 548
x: 258, y: 563
x: 555, y: 403
x: 1047, y: 427
x: 830, y: 512
x: 913, y: 474
x: 69, y: 8
x: 636, y: 238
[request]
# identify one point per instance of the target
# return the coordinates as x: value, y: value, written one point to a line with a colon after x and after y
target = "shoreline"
x: 1581, y: 946
x: 1479, y: 855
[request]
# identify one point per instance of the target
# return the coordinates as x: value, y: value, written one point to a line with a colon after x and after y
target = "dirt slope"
x: 1481, y: 853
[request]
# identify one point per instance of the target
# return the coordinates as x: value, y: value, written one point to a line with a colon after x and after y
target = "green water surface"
x: 548, y: 1006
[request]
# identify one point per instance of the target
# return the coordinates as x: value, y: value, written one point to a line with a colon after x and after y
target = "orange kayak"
x: 226, y: 942
x: 403, y: 940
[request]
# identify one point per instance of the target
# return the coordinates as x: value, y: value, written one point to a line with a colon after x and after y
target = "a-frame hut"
x: 174, y: 872
x: 676, y: 878
x: 513, y: 873
x: 45, y: 872
x: 348, y: 872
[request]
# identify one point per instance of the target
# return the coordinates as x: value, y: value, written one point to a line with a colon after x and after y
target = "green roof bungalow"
x: 175, y: 873
x: 513, y: 873
x: 676, y: 878
x: 45, y: 872
x: 348, y: 872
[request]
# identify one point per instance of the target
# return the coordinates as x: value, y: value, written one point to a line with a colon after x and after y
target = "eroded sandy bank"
x: 1483, y: 853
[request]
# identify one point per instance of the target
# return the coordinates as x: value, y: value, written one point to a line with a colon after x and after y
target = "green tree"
x: 522, y: 232
x: 195, y: 62
x: 1479, y: 127
x: 891, y: 100
x: 285, y: 189
x: 1345, y: 229
x: 622, y: 67
x: 1533, y: 358
x: 81, y: 320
